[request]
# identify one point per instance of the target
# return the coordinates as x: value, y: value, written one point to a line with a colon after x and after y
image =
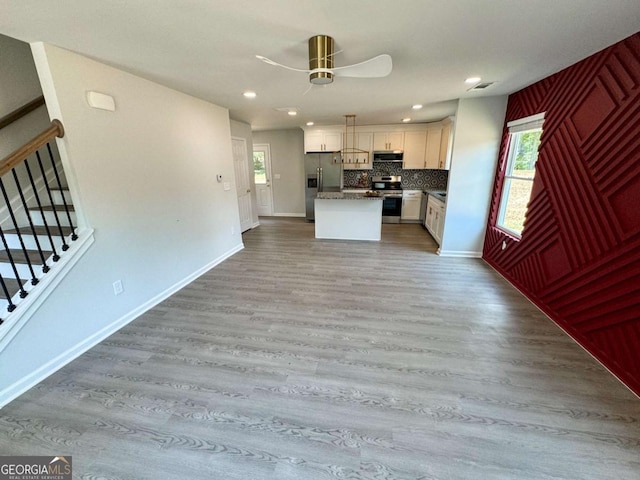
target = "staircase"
x: 33, y: 248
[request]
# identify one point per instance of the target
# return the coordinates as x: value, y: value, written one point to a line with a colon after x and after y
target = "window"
x: 524, y: 140
x: 259, y: 167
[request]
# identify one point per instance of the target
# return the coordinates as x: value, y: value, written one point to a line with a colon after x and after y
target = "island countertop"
x: 346, y: 196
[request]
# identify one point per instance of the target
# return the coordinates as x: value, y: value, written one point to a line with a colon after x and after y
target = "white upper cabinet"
x: 388, y: 141
x: 432, y: 152
x: 414, y: 150
x: 322, y: 140
x: 446, y: 140
x: 424, y: 145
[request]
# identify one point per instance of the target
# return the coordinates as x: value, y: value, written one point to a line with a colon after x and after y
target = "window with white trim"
x: 524, y: 140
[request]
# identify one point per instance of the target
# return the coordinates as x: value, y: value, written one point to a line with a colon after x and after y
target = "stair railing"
x: 46, y: 179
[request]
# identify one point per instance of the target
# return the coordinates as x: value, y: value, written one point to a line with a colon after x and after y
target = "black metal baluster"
x: 23, y: 292
x: 64, y: 201
x: 34, y: 280
x: 12, y: 306
x: 65, y: 247
x: 56, y: 257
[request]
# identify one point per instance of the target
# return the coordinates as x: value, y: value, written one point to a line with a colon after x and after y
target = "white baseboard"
x: 13, y: 391
x: 299, y: 215
x: 459, y: 253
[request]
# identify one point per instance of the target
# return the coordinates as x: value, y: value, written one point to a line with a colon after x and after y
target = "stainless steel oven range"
x: 390, y: 187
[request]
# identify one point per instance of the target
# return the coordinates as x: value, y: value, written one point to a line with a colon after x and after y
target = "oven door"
x: 391, y: 209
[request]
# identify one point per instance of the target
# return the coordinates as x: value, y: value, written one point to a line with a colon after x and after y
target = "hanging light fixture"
x: 350, y: 153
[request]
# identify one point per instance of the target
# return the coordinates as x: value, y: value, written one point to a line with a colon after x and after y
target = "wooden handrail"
x: 14, y: 159
x: 21, y: 112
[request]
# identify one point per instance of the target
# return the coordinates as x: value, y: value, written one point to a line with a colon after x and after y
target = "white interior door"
x: 262, y: 176
x: 243, y: 181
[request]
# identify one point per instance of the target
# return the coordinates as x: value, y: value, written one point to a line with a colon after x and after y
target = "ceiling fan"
x: 321, y: 70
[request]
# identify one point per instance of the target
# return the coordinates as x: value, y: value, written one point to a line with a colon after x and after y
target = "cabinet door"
x: 396, y: 140
x: 411, y: 200
x: 432, y: 155
x: 438, y: 223
x: 443, y: 161
x: 380, y: 141
x: 410, y: 209
x: 414, y: 150
x: 428, y: 222
x: 313, y: 141
x: 332, y: 141
x: 388, y: 140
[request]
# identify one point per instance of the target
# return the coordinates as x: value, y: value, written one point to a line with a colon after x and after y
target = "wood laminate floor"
x: 307, y: 359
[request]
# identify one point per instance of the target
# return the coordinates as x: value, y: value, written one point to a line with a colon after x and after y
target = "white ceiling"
x: 207, y: 48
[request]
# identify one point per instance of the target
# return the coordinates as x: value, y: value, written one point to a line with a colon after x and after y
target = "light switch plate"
x: 227, y: 186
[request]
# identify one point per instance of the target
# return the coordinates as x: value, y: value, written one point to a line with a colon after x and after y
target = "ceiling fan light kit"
x: 321, y: 59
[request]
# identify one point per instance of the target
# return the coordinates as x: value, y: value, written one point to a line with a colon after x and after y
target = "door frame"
x: 266, y: 147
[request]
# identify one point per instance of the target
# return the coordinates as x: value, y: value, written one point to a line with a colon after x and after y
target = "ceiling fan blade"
x: 271, y: 62
x: 379, y: 66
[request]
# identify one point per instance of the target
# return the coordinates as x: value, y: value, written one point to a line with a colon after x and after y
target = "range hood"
x: 387, y: 156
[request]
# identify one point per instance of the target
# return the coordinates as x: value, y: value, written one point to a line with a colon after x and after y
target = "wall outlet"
x: 504, y: 245
x: 117, y: 287
x: 227, y: 186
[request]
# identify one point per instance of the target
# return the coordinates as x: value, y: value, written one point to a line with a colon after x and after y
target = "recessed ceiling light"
x: 249, y: 94
x: 472, y: 80
x: 293, y: 113
x: 417, y: 106
x: 406, y: 120
x: 309, y: 124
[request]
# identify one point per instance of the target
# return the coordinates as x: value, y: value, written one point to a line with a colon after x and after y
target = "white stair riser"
x: 57, y: 197
x: 29, y: 241
x: 23, y: 270
x: 37, y: 218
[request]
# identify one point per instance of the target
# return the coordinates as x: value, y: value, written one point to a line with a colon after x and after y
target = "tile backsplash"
x: 411, y: 179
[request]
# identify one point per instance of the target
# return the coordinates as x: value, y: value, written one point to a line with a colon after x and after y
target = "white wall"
x: 243, y: 130
x: 478, y: 131
x: 146, y: 179
x: 287, y: 160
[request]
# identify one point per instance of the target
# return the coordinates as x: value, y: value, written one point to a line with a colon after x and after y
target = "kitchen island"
x: 348, y: 216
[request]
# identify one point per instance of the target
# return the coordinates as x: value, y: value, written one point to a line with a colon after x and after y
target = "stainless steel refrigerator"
x: 323, y: 173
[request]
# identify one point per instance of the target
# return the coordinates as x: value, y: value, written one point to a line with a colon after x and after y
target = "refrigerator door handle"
x: 320, y: 186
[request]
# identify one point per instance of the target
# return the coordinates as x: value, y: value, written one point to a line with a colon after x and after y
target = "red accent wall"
x: 579, y: 255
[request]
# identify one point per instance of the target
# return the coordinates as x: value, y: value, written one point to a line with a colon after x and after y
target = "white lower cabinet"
x: 434, y: 219
x: 411, y: 204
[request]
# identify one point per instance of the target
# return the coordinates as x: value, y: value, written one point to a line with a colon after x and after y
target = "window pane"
x: 526, y: 153
x: 259, y: 170
x: 517, y: 194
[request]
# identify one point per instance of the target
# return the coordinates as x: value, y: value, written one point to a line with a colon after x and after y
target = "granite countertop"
x: 345, y: 196
x: 439, y: 194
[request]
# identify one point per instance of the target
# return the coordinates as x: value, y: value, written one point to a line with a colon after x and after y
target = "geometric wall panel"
x: 625, y: 204
x: 592, y: 111
x: 579, y: 255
